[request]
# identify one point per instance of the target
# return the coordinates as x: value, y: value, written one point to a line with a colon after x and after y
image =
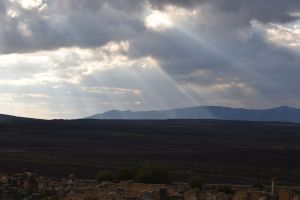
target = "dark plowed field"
x: 229, y: 148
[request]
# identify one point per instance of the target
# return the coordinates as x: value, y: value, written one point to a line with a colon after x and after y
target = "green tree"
x: 152, y: 173
x: 197, y: 182
x: 105, y: 176
x: 127, y: 173
x: 226, y: 189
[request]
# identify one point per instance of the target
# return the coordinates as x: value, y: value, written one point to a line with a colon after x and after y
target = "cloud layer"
x: 71, y: 58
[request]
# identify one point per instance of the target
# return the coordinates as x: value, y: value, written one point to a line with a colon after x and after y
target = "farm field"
x: 234, y: 151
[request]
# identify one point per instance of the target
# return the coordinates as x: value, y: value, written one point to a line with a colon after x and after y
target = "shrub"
x: 152, y: 173
x: 226, y: 189
x: 146, y: 173
x: 197, y: 182
x: 105, y: 176
x: 126, y: 173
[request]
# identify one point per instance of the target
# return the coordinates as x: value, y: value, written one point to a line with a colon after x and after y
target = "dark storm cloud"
x: 96, y: 5
x: 2, y: 7
x: 90, y: 23
x: 266, y: 11
x: 177, y: 53
x: 224, y: 22
x: 94, y: 23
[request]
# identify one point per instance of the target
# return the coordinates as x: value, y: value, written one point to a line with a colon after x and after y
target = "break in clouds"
x: 73, y: 58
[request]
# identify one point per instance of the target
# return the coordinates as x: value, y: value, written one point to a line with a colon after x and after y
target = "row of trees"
x: 148, y: 172
x: 145, y: 173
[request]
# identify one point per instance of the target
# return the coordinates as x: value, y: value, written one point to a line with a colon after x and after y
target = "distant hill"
x: 278, y: 114
x: 10, y: 118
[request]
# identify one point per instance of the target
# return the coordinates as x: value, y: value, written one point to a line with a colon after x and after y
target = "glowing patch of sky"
x: 57, y: 85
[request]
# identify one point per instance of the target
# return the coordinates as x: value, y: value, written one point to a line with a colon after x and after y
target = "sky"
x: 75, y: 58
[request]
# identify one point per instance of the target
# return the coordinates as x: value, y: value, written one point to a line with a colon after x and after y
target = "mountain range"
x: 278, y: 114
x: 10, y: 118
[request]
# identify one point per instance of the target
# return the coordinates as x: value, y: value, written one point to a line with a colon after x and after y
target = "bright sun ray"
x: 163, y: 20
x: 56, y: 75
